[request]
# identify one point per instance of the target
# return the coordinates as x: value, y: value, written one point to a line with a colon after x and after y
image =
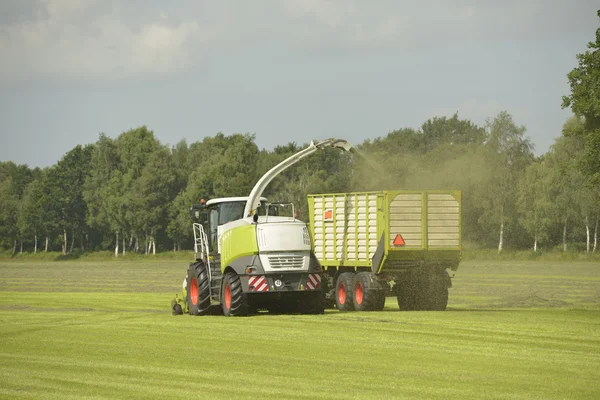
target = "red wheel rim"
x: 194, y: 291
x: 342, y: 294
x: 227, y: 296
x: 358, y: 293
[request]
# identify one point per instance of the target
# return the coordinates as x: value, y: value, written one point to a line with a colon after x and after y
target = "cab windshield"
x: 234, y: 210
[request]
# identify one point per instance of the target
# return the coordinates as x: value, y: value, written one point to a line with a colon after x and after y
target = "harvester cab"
x: 251, y: 254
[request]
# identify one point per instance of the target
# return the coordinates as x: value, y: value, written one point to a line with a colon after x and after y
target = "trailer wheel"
x: 343, y: 291
x: 439, y: 294
x: 233, y: 300
x: 366, y: 292
x: 380, y: 302
x: 198, y: 289
x: 406, y: 295
x: 312, y: 303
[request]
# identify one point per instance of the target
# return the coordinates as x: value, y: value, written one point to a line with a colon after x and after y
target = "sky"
x: 286, y: 71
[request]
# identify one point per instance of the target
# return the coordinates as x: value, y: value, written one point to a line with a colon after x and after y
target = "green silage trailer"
x: 371, y: 245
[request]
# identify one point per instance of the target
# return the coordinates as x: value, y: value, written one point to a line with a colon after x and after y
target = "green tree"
x: 13, y: 183
x: 221, y: 166
x: 33, y: 218
x: 65, y: 202
x: 566, y: 180
x: 450, y: 131
x: 9, y: 212
x: 584, y: 100
x: 509, y: 154
x: 534, y: 202
x: 103, y: 188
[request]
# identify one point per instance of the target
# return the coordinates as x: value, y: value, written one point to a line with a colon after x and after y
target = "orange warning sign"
x: 399, y: 240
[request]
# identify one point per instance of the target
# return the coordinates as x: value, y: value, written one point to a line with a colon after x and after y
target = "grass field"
x: 513, y: 330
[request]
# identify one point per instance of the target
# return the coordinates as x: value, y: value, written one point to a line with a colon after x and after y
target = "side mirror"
x: 197, y: 211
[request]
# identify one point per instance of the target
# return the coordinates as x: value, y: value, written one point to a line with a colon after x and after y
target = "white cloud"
x: 107, y: 39
x: 75, y: 38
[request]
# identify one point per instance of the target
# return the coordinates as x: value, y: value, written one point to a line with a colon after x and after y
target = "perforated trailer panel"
x: 345, y: 226
x: 406, y: 219
x: 443, y: 221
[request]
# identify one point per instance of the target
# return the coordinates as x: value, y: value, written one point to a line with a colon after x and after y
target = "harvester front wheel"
x: 343, y: 291
x: 198, y: 289
x: 233, y: 299
x: 366, y: 292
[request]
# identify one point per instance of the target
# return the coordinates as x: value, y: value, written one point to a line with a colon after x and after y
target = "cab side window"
x: 213, y: 223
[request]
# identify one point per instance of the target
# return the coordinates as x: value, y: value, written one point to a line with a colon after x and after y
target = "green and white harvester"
x: 358, y: 249
x: 249, y: 256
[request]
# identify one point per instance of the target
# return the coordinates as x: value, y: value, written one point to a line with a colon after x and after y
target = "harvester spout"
x: 264, y: 181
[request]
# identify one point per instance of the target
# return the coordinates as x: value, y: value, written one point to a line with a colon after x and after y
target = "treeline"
x: 132, y: 193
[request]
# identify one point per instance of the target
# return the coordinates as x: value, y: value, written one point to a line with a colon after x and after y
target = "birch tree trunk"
x: 153, y: 246
x: 123, y: 244
x: 35, y: 245
x: 565, y: 235
x: 72, y: 240
x: 64, y: 244
x: 21, y: 250
x: 595, y: 236
x: 131, y: 241
x: 137, y: 244
x: 117, y: 245
x: 501, y: 242
x: 46, y: 247
x: 146, y: 244
x: 14, y: 247
x: 535, y: 244
x: 587, y: 235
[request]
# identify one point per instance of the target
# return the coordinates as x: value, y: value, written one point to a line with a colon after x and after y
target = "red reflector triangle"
x: 399, y: 240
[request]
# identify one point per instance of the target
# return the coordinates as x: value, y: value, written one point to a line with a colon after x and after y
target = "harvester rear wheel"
x: 366, y: 292
x: 343, y: 291
x: 233, y: 300
x: 198, y: 289
x: 312, y: 303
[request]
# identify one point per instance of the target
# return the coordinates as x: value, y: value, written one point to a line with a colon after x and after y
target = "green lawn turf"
x: 513, y: 330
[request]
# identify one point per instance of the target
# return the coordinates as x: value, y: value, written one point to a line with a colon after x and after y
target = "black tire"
x: 328, y: 288
x: 424, y: 293
x: 439, y: 293
x: 177, y: 310
x: 407, y: 295
x: 198, y: 290
x: 380, y: 302
x: 343, y: 291
x: 233, y: 299
x: 365, y: 292
x: 312, y: 303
